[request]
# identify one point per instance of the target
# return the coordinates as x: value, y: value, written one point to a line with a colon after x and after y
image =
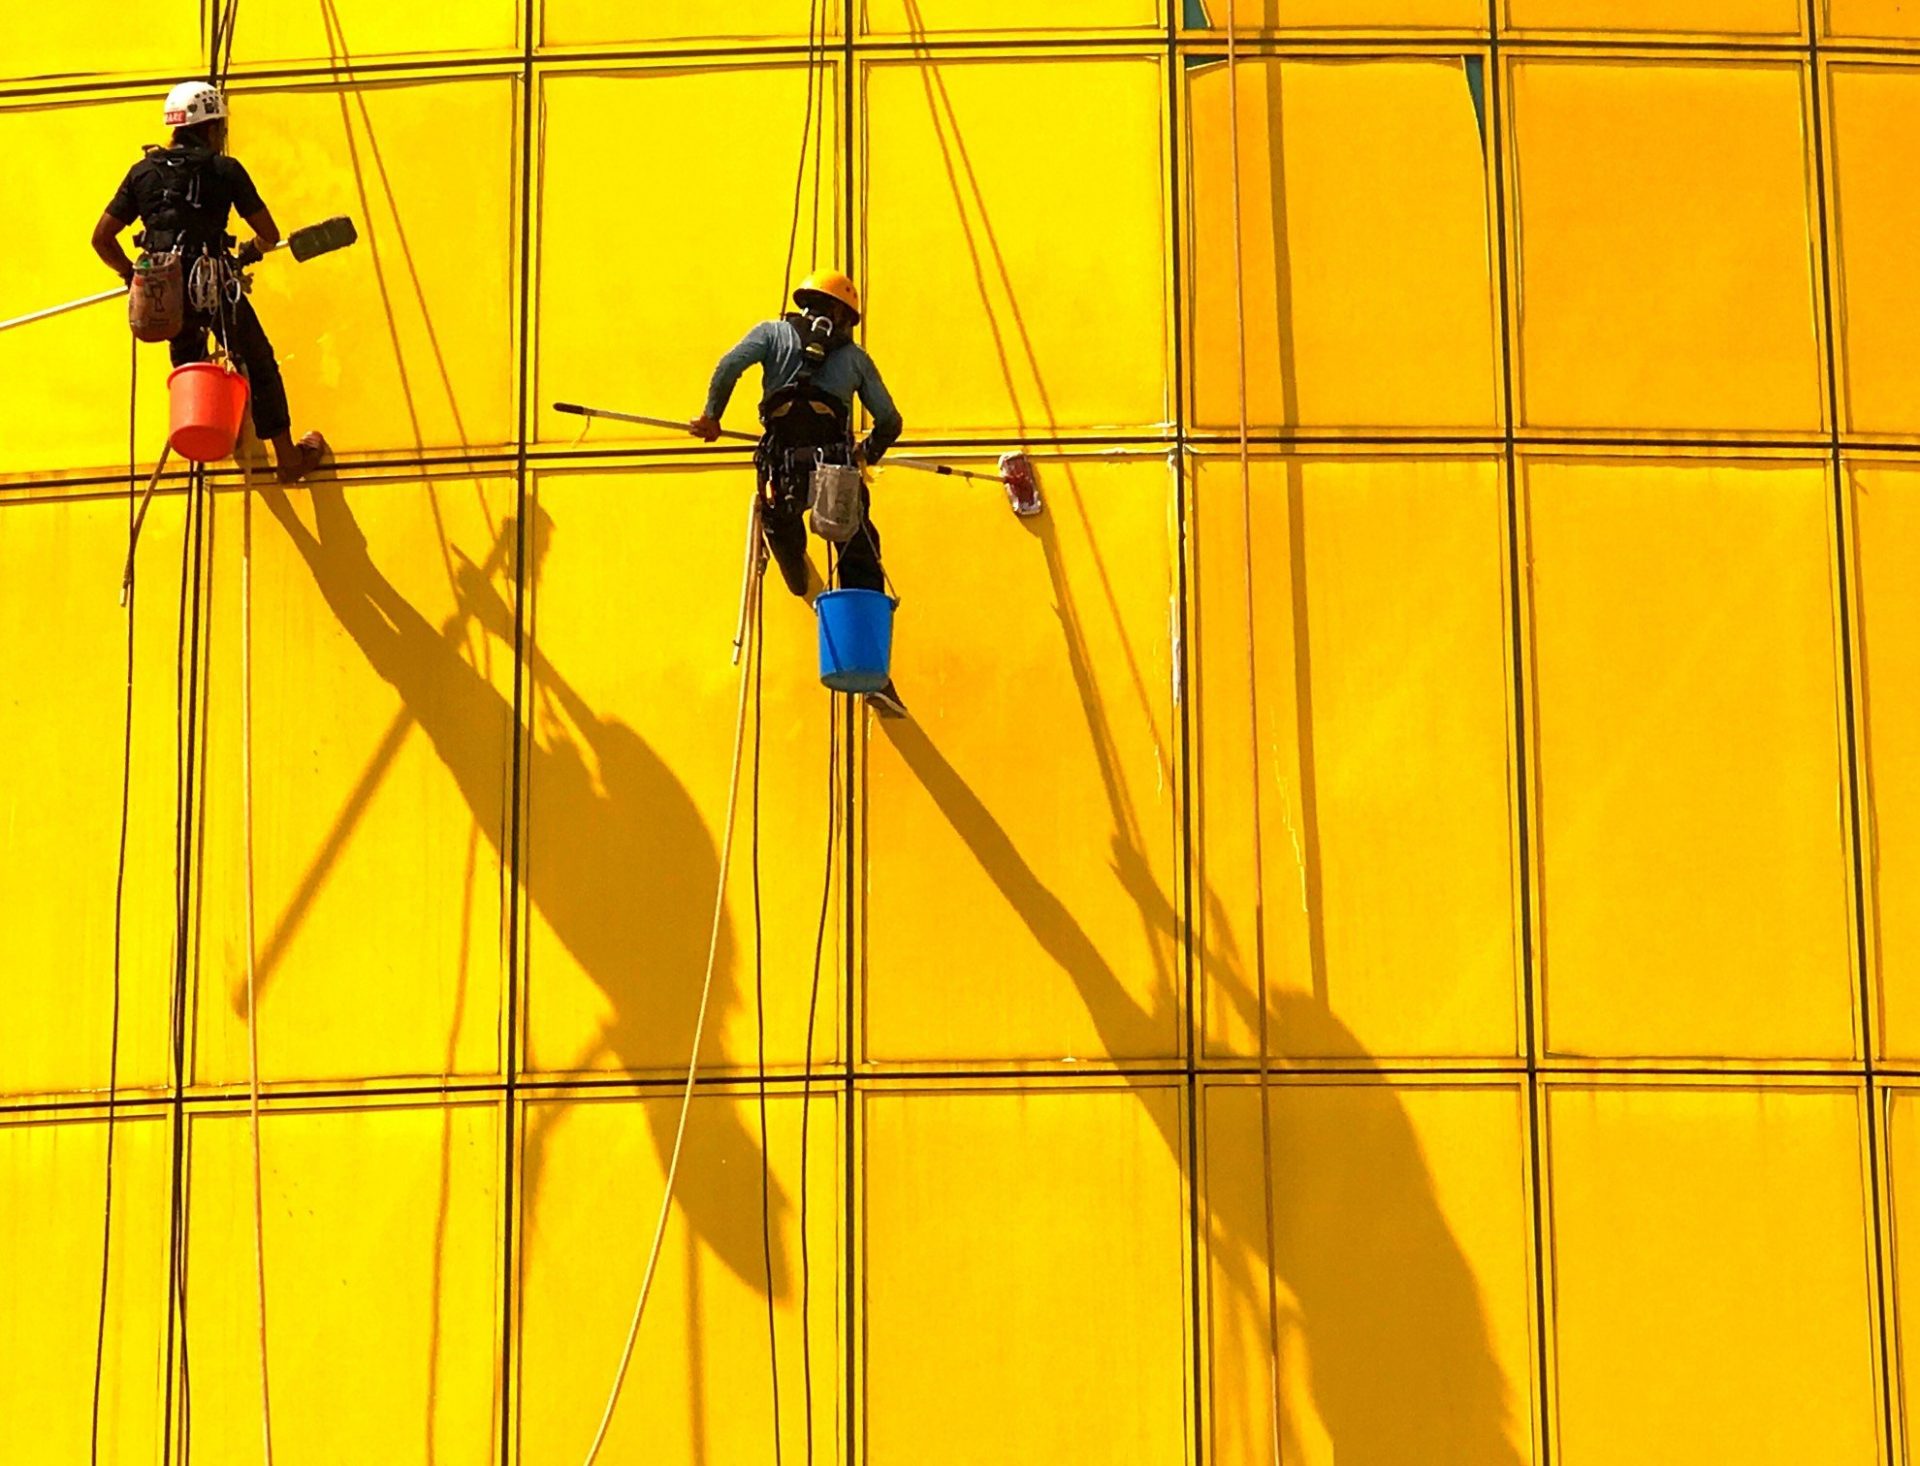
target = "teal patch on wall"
x: 1477, y: 89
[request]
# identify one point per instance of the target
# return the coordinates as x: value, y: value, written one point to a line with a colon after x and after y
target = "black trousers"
x: 240, y: 332
x: 783, y: 519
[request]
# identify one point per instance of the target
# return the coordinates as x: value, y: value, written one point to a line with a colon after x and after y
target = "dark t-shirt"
x: 206, y: 186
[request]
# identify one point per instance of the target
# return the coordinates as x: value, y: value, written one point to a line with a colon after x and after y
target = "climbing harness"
x: 1253, y: 702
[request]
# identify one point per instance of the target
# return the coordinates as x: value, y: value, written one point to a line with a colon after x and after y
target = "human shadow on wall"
x: 623, y: 850
x: 1383, y: 1320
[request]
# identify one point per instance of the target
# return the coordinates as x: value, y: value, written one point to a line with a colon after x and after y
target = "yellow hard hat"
x: 833, y: 285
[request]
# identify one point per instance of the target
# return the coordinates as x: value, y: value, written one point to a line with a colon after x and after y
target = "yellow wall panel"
x: 1869, y: 20
x: 1693, y: 17
x: 934, y: 17
x: 1712, y: 1278
x: 96, y: 37
x: 1876, y: 124
x: 1903, y: 1161
x: 970, y: 312
x: 1001, y: 1321
x: 67, y: 378
x: 382, y: 760
x: 1366, y: 251
x: 1690, y: 778
x: 52, y: 1191
x: 642, y: 332
x: 1047, y: 817
x: 610, y: 22
x: 406, y: 340
x: 383, y: 1253
x: 1413, y: 16
x: 1665, y: 260
x: 700, y: 1384
x: 64, y: 668
x: 1886, y: 509
x: 1401, y: 1257
x: 1380, y: 628
x: 343, y: 31
x: 633, y: 704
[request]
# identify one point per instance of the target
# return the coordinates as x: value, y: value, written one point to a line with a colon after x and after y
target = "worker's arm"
x: 887, y: 422
x: 754, y: 347
x: 106, y: 244
x: 266, y: 234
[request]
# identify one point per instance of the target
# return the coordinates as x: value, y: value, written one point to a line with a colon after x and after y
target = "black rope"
x: 760, y: 1030
x: 806, y: 1082
x: 816, y: 45
x: 119, y: 909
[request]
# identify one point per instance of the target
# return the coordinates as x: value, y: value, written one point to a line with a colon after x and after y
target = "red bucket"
x: 207, y: 403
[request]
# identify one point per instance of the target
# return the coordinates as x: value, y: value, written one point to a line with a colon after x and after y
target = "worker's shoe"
x: 887, y: 701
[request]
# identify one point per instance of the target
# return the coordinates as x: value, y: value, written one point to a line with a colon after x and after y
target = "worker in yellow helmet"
x: 182, y: 195
x: 811, y: 371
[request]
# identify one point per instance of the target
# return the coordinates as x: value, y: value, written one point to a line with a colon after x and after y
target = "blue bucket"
x: 856, y: 639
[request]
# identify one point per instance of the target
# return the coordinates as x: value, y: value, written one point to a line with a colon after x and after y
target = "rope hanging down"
x: 253, y: 1007
x: 693, y: 1061
x: 1253, y: 707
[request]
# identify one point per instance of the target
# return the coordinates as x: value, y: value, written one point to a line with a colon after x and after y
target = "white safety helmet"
x: 194, y: 102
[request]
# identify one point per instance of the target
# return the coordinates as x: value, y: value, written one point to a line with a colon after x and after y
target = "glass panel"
x: 1665, y: 268
x: 1046, y: 811
x: 1693, y: 17
x: 984, y: 316
x: 1045, y: 1231
x: 52, y: 1190
x: 64, y: 666
x: 1401, y: 1253
x: 1886, y: 510
x: 1366, y: 250
x: 1694, y: 864
x: 405, y: 341
x: 1386, y: 793
x: 632, y: 707
x: 1876, y: 126
x: 382, y: 1227
x: 1738, y: 1220
x: 700, y: 1383
x: 642, y: 332
x: 382, y: 760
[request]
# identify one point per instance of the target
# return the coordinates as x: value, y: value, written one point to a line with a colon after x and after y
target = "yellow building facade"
x: 1549, y: 793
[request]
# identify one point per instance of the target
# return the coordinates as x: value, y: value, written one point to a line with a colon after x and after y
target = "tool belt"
x: 168, y: 282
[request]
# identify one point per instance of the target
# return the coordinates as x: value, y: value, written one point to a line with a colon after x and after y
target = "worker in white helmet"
x: 182, y: 196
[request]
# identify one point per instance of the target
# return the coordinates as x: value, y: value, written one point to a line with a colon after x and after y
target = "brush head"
x: 1023, y: 489
x: 322, y: 238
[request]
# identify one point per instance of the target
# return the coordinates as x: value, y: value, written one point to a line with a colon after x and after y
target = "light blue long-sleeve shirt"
x: 847, y: 371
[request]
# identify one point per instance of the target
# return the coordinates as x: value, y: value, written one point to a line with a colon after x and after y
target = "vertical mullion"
x: 1173, y: 133
x: 1826, y: 203
x: 510, y: 1037
x: 1498, y: 163
x: 854, y: 851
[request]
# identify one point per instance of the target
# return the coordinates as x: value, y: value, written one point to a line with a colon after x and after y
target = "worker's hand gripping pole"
x: 304, y: 244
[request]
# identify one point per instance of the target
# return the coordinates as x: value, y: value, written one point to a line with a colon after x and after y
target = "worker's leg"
x: 191, y: 344
x: 860, y: 556
x: 784, y: 524
x: 272, y: 419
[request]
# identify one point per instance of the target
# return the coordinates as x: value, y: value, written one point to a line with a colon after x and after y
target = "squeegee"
x: 1015, y: 473
x: 304, y: 244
